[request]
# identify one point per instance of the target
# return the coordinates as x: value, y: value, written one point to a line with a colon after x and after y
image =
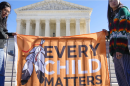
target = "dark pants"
x: 122, y: 70
x: 2, y: 71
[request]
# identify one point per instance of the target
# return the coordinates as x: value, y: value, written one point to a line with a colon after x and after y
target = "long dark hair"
x: 109, y: 11
x: 3, y: 21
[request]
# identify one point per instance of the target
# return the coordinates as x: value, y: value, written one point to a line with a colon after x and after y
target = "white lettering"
x: 90, y: 65
x: 62, y: 67
x: 47, y: 62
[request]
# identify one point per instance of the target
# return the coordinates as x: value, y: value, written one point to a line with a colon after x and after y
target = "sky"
x: 98, y: 17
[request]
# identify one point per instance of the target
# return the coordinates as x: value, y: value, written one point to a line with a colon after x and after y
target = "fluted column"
x: 18, y: 26
x: 68, y: 27
x: 28, y: 27
x: 57, y: 27
x: 87, y: 26
x: 37, y: 29
x: 47, y: 27
x: 77, y: 26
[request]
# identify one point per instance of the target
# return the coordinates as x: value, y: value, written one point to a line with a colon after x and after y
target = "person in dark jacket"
x: 5, y: 8
x: 119, y: 29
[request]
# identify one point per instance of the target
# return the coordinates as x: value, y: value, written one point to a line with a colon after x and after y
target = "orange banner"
x: 62, y: 61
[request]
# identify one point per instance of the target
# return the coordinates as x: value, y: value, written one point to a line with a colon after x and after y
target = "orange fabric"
x: 82, y: 75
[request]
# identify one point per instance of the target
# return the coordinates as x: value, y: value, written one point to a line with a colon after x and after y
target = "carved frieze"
x: 54, y: 6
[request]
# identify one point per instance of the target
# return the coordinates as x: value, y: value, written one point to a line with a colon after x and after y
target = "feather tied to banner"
x: 36, y: 57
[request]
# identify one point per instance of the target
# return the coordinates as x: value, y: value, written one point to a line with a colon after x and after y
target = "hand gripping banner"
x: 61, y: 61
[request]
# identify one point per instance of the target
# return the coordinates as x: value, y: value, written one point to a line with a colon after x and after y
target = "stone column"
x: 47, y: 27
x: 77, y: 26
x: 57, y: 27
x: 18, y: 26
x: 37, y: 29
x: 68, y: 27
x: 28, y: 27
x: 87, y: 22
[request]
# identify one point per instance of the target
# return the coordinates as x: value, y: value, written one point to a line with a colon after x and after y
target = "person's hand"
x: 118, y: 55
x: 7, y: 36
x: 14, y: 34
x: 106, y: 32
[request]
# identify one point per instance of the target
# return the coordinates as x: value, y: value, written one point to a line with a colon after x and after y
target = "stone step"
x: 8, y: 79
x: 112, y: 68
x: 113, y: 80
x: 112, y: 71
x: 9, y: 84
x: 10, y: 74
x: 10, y: 71
x: 111, y: 65
x: 9, y: 62
x: 114, y: 84
x: 113, y: 75
x: 9, y: 65
x: 8, y: 68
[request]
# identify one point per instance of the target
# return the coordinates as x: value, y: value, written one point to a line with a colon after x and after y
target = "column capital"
x: 47, y: 20
x: 77, y: 19
x: 67, y: 20
x: 87, y: 19
x: 28, y: 20
x: 37, y: 20
x: 58, y: 20
x: 18, y: 20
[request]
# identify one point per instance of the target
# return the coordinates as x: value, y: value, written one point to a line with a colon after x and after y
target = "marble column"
x: 37, y: 29
x: 87, y: 22
x: 18, y: 26
x: 28, y: 27
x: 47, y: 27
x: 68, y: 27
x: 77, y: 26
x: 57, y: 27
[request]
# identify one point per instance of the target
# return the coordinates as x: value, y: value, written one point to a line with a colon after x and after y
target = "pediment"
x: 53, y: 5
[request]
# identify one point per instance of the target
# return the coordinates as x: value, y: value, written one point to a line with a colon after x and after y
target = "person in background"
x: 5, y: 9
x: 119, y: 28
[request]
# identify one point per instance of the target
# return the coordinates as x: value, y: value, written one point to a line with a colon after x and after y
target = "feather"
x: 36, y: 56
x: 26, y: 72
x: 39, y: 68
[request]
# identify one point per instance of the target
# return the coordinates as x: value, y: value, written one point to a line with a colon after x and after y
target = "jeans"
x: 122, y: 70
x: 2, y: 71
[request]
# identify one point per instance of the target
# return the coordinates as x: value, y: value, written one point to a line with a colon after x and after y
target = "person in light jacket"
x: 5, y: 8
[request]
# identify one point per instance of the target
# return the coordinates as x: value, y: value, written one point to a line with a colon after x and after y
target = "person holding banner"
x: 5, y: 8
x: 119, y: 28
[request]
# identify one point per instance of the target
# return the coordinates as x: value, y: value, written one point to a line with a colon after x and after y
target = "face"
x: 5, y: 12
x: 114, y: 3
